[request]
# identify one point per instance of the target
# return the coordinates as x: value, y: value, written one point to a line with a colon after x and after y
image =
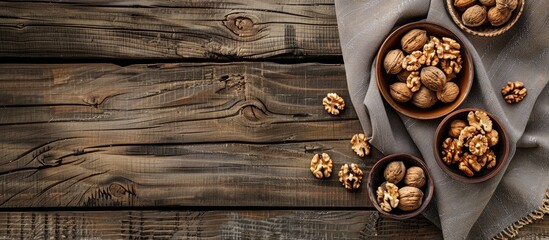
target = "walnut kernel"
x: 513, y: 92
x: 321, y: 167
x: 451, y: 153
x: 493, y: 137
x: 360, y: 145
x: 350, y: 176
x: 387, y: 196
x: 413, y: 82
x: 414, y: 61
x: 333, y: 103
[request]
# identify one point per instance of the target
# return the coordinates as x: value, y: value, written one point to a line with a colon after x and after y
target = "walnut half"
x: 387, y: 196
x: 333, y: 103
x: 360, y: 145
x: 350, y: 176
x: 321, y: 167
x: 513, y: 92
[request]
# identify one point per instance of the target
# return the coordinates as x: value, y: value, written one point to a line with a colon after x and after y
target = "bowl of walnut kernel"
x: 423, y: 70
x: 400, y: 186
x: 471, y: 145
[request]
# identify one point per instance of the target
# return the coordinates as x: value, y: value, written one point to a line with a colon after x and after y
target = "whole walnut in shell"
x: 400, y: 92
x: 449, y: 92
x: 464, y: 4
x: 455, y: 128
x: 424, y: 98
x: 498, y: 17
x: 394, y: 172
x: 410, y: 198
x: 488, y: 3
x: 474, y: 16
x: 414, y: 40
x: 433, y: 78
x: 403, y: 75
x: 415, y: 177
x: 508, y: 5
x: 393, y: 61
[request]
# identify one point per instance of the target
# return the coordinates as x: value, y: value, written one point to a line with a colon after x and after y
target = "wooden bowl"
x: 375, y: 179
x: 485, y: 30
x: 464, y: 80
x: 501, y: 149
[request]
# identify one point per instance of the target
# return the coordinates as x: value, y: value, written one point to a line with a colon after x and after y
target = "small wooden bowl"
x: 485, y: 30
x: 464, y: 80
x: 375, y: 179
x: 501, y: 150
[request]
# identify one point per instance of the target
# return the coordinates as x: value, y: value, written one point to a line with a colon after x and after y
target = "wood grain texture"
x: 237, y: 134
x: 168, y: 29
x: 212, y: 225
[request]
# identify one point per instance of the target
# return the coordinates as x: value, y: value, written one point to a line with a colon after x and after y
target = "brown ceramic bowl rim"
x: 462, y: 178
x: 467, y: 58
x: 427, y: 197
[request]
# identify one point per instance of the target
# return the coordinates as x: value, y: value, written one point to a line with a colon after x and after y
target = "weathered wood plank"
x: 172, y: 134
x: 168, y: 29
x: 212, y: 224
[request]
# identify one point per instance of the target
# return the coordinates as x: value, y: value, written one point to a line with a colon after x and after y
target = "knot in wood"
x: 243, y: 25
x: 117, y: 190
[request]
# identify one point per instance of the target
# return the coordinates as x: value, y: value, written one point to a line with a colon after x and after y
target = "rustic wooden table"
x: 178, y: 119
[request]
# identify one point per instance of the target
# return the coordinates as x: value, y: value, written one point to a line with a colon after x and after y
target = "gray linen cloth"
x: 463, y: 211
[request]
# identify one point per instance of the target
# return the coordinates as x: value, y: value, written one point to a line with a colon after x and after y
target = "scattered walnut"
x: 455, y: 128
x: 413, y: 82
x: 321, y: 167
x: 414, y: 61
x: 465, y: 136
x: 360, y: 145
x: 387, y: 196
x: 513, y: 92
x: 480, y: 120
x: 451, y: 153
x: 411, y: 198
x: 465, y: 168
x: 394, y: 172
x: 350, y: 176
x: 414, y: 177
x: 400, y: 92
x: 413, y: 40
x: 490, y: 159
x: 493, y: 138
x: 393, y: 61
x: 333, y: 103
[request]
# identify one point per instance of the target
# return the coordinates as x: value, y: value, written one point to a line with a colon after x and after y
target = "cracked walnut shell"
x: 387, y: 196
x: 394, y: 172
x: 321, y: 167
x: 360, y: 145
x: 333, y: 103
x: 465, y: 136
x: 513, y: 92
x: 350, y: 176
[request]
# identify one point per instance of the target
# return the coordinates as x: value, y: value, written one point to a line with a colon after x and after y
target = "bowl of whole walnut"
x: 423, y: 70
x: 487, y: 18
x: 471, y: 145
x: 400, y: 186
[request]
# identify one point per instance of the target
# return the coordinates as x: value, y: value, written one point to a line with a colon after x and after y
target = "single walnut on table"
x: 333, y: 103
x: 321, y: 167
x: 360, y: 145
x: 513, y: 92
x: 350, y: 176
